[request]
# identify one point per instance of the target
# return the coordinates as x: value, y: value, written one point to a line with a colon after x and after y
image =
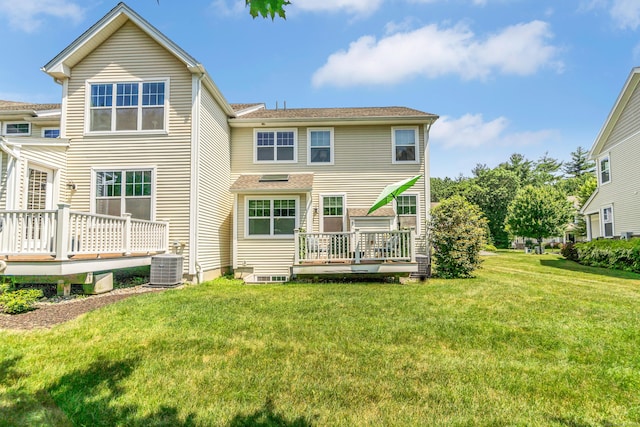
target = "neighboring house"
x: 613, y: 210
x: 142, y: 129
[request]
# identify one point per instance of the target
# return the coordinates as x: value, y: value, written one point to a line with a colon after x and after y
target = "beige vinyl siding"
x: 362, y: 168
x: 628, y: 123
x: 215, y: 201
x: 131, y: 54
x: 623, y: 191
x: 267, y: 255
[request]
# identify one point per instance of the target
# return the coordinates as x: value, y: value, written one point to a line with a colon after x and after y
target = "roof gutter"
x: 327, y: 121
x: 4, y: 146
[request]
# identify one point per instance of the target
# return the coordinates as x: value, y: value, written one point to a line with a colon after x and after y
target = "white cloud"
x: 27, y: 15
x: 472, y: 131
x: 358, y: 7
x: 432, y: 51
x: 626, y: 13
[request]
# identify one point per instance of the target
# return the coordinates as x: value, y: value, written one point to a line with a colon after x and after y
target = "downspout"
x: 427, y: 188
x: 193, y: 268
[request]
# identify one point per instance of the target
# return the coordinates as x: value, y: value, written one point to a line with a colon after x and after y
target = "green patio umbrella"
x: 392, y: 191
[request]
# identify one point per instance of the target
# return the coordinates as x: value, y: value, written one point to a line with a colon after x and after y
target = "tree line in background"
x: 522, y: 197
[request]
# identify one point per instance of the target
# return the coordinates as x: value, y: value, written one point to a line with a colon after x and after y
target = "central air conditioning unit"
x: 166, y: 270
x: 626, y: 235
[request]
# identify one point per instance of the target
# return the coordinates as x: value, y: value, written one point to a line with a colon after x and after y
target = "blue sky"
x: 505, y: 76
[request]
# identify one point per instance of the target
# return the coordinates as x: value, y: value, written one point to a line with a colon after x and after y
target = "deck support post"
x: 62, y: 232
x: 63, y: 288
x: 412, y: 244
x: 296, y: 245
x: 356, y: 236
x: 126, y: 235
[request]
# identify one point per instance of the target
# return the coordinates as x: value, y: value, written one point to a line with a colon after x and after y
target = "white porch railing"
x: 356, y: 246
x: 62, y: 233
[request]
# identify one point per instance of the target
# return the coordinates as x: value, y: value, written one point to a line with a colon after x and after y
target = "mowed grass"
x: 532, y: 340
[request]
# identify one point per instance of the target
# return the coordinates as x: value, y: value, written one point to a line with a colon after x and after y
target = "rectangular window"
x: 607, y: 221
x: 51, y: 133
x: 320, y: 146
x: 271, y: 217
x: 405, y: 144
x: 605, y: 170
x: 275, y: 146
x: 407, y: 210
x: 17, y: 129
x: 127, y: 107
x: 332, y: 214
x: 124, y: 191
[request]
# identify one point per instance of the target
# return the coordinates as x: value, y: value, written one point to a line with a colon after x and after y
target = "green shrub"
x: 614, y: 254
x: 569, y: 251
x: 14, y: 302
x: 490, y: 248
x: 458, y: 233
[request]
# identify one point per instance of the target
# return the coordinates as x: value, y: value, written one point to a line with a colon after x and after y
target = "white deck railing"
x: 356, y: 246
x: 62, y: 233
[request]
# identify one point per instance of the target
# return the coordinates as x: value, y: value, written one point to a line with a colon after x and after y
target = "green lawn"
x: 533, y: 340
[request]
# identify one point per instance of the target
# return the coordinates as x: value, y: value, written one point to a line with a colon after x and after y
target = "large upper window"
x: 605, y: 170
x: 405, y: 144
x: 320, y: 146
x: 607, y: 221
x: 407, y: 210
x: 275, y: 145
x: 271, y: 217
x: 127, y: 107
x: 124, y: 191
x: 17, y: 129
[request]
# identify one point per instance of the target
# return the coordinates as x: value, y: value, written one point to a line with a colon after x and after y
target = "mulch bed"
x: 49, y: 314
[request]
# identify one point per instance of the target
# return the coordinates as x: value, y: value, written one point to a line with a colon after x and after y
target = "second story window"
x: 17, y: 129
x: 405, y: 144
x: 320, y: 146
x: 605, y: 170
x: 275, y: 146
x: 127, y: 107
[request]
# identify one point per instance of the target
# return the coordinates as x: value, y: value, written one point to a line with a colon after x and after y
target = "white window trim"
x: 607, y: 157
x: 87, y: 107
x: 331, y: 147
x: 51, y: 128
x: 321, y: 197
x: 274, y: 130
x: 393, y: 145
x: 12, y: 135
x: 271, y: 198
x: 154, y: 175
x: 613, y: 225
x: 418, y: 230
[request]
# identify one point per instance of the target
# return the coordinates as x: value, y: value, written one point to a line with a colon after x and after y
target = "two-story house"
x: 613, y: 210
x: 143, y: 133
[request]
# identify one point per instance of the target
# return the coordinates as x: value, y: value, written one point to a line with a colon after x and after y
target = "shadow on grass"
x: 565, y: 264
x: 89, y: 397
x: 267, y: 417
x: 18, y: 407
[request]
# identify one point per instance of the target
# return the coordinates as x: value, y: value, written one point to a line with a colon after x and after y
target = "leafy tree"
x: 492, y: 191
x: 457, y: 231
x: 545, y: 170
x: 443, y: 188
x: 267, y: 8
x: 579, y: 165
x: 521, y: 166
x: 538, y: 212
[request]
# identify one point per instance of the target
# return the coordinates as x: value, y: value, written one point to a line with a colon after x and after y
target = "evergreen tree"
x: 579, y: 165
